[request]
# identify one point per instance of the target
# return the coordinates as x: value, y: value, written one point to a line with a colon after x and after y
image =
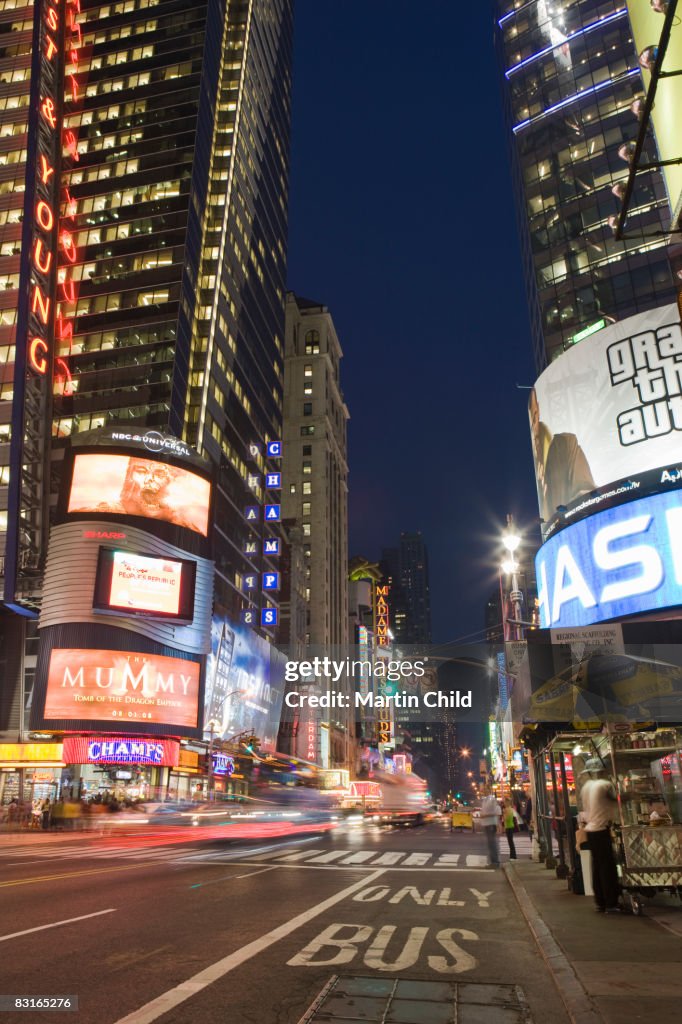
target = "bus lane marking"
x: 345, y: 948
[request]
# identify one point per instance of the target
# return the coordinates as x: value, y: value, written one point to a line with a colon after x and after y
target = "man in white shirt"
x: 599, y: 806
x: 490, y: 821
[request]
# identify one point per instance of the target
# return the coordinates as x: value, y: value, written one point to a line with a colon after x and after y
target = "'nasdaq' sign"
x: 623, y: 561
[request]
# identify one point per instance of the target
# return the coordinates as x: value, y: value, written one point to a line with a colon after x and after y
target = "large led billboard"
x: 129, y: 485
x: 244, y: 684
x: 134, y: 584
x: 122, y: 686
x: 606, y: 418
x: 623, y: 561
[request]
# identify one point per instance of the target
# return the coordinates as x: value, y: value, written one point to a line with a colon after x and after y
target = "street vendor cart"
x: 646, y: 769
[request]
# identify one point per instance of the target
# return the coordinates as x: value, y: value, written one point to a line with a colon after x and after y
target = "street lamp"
x: 510, y: 567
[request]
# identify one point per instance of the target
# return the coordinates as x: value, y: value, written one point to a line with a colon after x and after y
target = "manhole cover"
x: 358, y: 998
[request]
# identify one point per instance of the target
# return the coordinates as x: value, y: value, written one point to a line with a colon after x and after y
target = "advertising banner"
x: 606, y: 418
x: 129, y: 485
x: 134, y: 583
x: 122, y: 687
x: 244, y: 684
x: 623, y: 561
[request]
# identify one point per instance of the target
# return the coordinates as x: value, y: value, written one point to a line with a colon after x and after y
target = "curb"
x: 575, y: 998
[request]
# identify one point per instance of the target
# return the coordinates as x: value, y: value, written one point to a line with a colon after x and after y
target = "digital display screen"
x: 134, y: 584
x: 620, y: 562
x: 122, y: 686
x: 127, y: 485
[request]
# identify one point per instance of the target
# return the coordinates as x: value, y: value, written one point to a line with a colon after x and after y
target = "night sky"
x: 401, y: 222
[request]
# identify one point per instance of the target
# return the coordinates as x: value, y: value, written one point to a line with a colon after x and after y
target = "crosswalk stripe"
x: 360, y: 857
x: 417, y: 859
x: 326, y: 858
x: 475, y: 860
x: 448, y: 859
x: 388, y: 858
x: 300, y: 855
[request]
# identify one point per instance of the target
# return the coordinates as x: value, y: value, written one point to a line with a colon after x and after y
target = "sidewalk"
x: 617, y: 969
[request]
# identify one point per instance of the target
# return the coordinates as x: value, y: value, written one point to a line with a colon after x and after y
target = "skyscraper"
x: 142, y: 247
x: 407, y: 569
x: 314, y: 464
x: 315, y: 497
x: 570, y: 75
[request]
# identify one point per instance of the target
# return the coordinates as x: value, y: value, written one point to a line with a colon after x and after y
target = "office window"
x: 307, y: 468
x: 307, y: 408
x: 308, y: 370
x: 306, y: 431
x: 307, y: 389
x: 307, y: 487
x: 306, y: 529
x: 307, y: 449
x: 312, y: 343
x: 305, y: 508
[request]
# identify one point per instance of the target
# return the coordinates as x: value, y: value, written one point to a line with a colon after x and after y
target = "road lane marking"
x: 57, y: 924
x: 360, y: 857
x: 476, y: 860
x: 173, y: 997
x: 261, y: 872
x: 68, y: 874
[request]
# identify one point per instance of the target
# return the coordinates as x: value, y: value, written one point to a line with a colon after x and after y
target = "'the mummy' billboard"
x: 606, y: 419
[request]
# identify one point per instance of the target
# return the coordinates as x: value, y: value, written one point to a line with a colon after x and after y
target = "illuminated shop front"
x: 30, y: 771
x: 126, y: 767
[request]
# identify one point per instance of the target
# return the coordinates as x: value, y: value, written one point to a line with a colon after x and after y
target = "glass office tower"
x: 570, y: 77
x: 143, y: 215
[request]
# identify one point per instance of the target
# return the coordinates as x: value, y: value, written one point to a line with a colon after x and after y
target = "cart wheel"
x: 637, y: 905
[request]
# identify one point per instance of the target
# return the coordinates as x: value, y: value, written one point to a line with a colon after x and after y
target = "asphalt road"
x: 153, y: 928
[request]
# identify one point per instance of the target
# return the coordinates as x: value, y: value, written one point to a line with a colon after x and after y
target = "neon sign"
x: 45, y: 221
x: 223, y: 764
x: 53, y: 250
x: 381, y: 616
x: 67, y: 247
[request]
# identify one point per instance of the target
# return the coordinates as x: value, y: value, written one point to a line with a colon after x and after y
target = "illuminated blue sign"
x: 273, y: 480
x: 272, y: 513
x: 268, y: 617
x: 250, y: 582
x: 271, y: 546
x: 251, y: 513
x: 274, y: 449
x: 270, y: 581
x: 125, y: 752
x: 223, y: 764
x: 623, y: 561
x: 248, y: 617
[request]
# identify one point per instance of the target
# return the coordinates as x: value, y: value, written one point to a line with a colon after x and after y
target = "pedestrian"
x: 528, y: 814
x: 490, y: 822
x: 509, y: 820
x: 598, y: 799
